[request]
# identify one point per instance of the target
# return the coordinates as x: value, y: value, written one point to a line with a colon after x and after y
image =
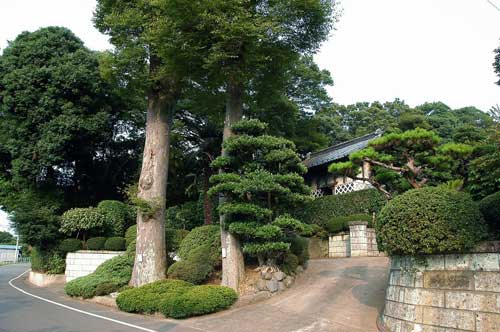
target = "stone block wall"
x: 443, y: 293
x: 360, y: 242
x: 84, y: 262
x: 339, y: 246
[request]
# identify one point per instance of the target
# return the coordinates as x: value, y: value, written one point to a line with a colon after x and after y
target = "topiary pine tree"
x: 261, y: 181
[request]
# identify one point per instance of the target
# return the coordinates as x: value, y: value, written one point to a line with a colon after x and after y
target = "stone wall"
x: 318, y: 248
x: 443, y: 293
x: 360, y: 242
x: 84, y: 262
x: 339, y: 246
x: 44, y: 280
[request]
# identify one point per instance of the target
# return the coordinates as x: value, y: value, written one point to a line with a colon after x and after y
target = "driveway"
x: 338, y: 295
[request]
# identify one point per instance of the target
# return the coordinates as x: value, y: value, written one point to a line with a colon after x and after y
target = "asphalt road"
x: 333, y: 295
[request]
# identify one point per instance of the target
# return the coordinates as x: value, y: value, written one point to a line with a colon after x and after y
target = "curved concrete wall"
x: 84, y: 262
x: 443, y: 293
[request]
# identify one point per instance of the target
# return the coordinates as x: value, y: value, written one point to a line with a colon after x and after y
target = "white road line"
x: 74, y: 309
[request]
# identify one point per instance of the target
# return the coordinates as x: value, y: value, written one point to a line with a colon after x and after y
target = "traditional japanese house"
x: 324, y: 183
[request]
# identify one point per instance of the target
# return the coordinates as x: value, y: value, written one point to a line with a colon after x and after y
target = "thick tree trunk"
x: 150, y: 260
x: 207, y: 201
x: 233, y: 265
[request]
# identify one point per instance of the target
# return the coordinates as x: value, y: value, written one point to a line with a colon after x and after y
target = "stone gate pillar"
x: 359, y: 239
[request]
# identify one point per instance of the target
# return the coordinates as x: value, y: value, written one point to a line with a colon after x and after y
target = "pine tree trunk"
x: 150, y: 260
x: 207, y: 201
x: 233, y: 265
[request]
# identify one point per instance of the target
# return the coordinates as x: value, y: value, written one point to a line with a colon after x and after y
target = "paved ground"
x: 341, y: 295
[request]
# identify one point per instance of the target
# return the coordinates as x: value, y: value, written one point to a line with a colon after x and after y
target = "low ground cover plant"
x: 176, y: 299
x: 109, y: 277
x: 430, y: 221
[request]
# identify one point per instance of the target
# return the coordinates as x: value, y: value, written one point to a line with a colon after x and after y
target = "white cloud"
x: 4, y: 222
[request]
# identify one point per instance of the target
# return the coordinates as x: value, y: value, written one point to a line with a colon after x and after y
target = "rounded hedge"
x: 490, y: 208
x: 429, y: 221
x: 116, y: 216
x: 115, y: 243
x: 195, y: 269
x: 96, y: 243
x: 81, y: 219
x: 338, y: 224
x: 70, y: 245
x: 208, y: 235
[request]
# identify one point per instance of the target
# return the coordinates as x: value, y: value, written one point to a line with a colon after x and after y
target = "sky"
x: 415, y: 50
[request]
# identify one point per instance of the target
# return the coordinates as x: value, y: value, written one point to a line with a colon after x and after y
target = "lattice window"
x: 350, y: 187
x: 317, y: 193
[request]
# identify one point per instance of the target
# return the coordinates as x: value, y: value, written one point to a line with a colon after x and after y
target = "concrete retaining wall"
x: 339, y: 246
x: 44, y: 280
x: 84, y: 262
x: 444, y: 293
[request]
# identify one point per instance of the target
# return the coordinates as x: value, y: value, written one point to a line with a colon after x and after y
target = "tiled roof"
x: 341, y: 150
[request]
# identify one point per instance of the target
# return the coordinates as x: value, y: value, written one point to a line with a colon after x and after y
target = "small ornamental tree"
x: 413, y: 157
x: 261, y: 181
x: 80, y: 221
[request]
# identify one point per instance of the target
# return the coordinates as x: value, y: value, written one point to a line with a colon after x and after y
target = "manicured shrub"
x: 430, y: 221
x: 107, y: 278
x: 116, y: 217
x: 96, y: 243
x: 70, y: 245
x: 146, y: 299
x: 174, y: 237
x: 56, y: 264
x: 115, y: 243
x: 338, y: 224
x: 321, y: 210
x: 299, y: 246
x: 490, y: 208
x: 38, y: 260
x: 290, y: 263
x: 131, y: 234
x: 195, y: 269
x: 209, y: 236
x: 198, y: 300
x: 81, y: 221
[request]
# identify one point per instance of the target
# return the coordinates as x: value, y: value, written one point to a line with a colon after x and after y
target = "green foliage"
x: 198, y: 300
x: 321, y: 210
x: 196, y: 268
x: 56, y: 264
x: 185, y: 216
x: 490, y: 208
x: 39, y: 260
x: 70, y: 245
x: 341, y: 223
x: 204, y: 236
x: 299, y: 246
x: 176, y: 299
x: 146, y: 299
x: 290, y: 263
x: 96, y: 243
x: 484, y: 169
x: 174, y: 237
x: 6, y: 238
x: 429, y: 221
x: 107, y: 278
x: 130, y: 234
x: 117, y: 217
x: 496, y: 64
x: 116, y: 243
x: 261, y: 181
x: 81, y: 220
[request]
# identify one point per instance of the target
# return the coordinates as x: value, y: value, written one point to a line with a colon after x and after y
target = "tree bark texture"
x: 150, y: 260
x: 233, y: 265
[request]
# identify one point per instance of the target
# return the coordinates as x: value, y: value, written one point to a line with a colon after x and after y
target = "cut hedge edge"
x: 430, y: 221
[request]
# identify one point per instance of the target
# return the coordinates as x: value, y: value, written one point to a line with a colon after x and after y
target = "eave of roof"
x: 340, y: 150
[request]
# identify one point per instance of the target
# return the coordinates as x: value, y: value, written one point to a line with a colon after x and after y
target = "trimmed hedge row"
x: 176, y: 299
x: 430, y: 221
x: 338, y: 224
x: 322, y: 210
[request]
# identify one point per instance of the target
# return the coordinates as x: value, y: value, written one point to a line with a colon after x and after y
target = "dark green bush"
x: 299, y: 246
x: 107, y: 278
x: 338, y: 224
x: 70, y: 245
x: 96, y: 243
x: 430, y: 221
x: 146, y: 299
x: 490, y: 208
x: 174, y: 237
x: 131, y: 234
x: 198, y: 300
x: 195, y: 269
x: 321, y: 210
x: 39, y: 259
x: 116, y: 217
x: 290, y: 263
x: 209, y: 236
x: 56, y: 264
x: 115, y: 243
